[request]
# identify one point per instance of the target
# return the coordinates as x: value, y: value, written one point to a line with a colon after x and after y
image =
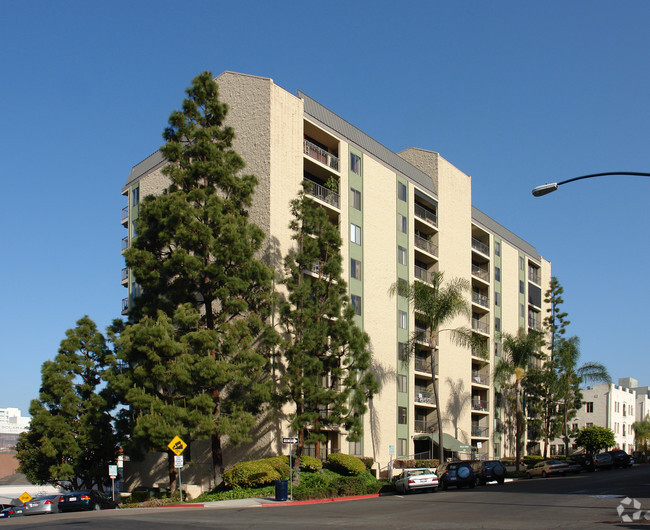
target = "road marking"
x: 606, y: 496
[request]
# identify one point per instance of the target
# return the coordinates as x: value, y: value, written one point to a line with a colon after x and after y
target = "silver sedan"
x: 416, y: 479
x: 40, y: 505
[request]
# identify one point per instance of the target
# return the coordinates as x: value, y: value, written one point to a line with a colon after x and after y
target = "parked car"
x: 414, y: 479
x: 490, y: 470
x: 86, y: 500
x: 41, y: 505
x: 457, y: 474
x: 547, y: 468
x: 603, y: 461
x: 586, y: 462
x: 12, y: 511
x: 620, y: 458
x: 574, y: 466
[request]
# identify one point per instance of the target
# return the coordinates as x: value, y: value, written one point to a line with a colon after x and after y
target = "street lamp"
x: 551, y: 187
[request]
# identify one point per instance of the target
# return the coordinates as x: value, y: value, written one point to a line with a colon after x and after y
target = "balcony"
x: 480, y: 299
x: 425, y: 214
x: 480, y: 273
x: 534, y: 323
x: 426, y: 245
x: 479, y: 432
x: 480, y: 326
x: 125, y: 214
x: 125, y: 243
x: 534, y: 276
x: 422, y: 274
x: 125, y: 306
x: 425, y: 426
x: 125, y: 275
x: 480, y: 246
x: 480, y: 405
x: 422, y: 395
x: 481, y: 377
x: 322, y: 193
x: 321, y: 155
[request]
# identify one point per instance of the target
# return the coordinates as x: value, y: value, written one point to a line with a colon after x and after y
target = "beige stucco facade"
x: 284, y: 139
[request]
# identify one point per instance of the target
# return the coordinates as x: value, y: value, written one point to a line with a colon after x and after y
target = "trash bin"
x: 281, y: 490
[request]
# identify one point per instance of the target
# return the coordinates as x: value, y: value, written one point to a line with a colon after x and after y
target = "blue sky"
x: 515, y: 94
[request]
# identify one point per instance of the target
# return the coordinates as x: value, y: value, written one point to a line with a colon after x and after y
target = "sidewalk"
x: 263, y: 502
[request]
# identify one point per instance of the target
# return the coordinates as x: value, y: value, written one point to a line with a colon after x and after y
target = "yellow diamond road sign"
x: 25, y: 497
x: 177, y: 445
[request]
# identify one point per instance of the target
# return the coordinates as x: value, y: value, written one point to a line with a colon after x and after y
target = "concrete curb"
x: 318, y: 501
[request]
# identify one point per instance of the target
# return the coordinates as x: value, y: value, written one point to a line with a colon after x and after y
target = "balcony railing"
x: 125, y: 213
x: 426, y: 245
x: 426, y: 214
x: 125, y: 305
x: 481, y: 377
x: 425, y: 426
x: 422, y: 395
x: 479, y: 432
x: 534, y: 276
x: 317, y: 153
x: 322, y: 193
x: 480, y: 246
x: 534, y: 323
x: 480, y: 405
x: 479, y: 325
x: 420, y: 329
x: 423, y: 365
x: 480, y: 273
x: 480, y: 299
x: 422, y: 274
x: 125, y: 273
x: 125, y: 243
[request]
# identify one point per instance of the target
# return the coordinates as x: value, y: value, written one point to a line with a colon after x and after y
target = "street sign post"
x: 112, y: 473
x: 291, y: 442
x: 177, y: 446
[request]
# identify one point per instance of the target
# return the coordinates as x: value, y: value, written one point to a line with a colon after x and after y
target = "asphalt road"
x: 588, y: 500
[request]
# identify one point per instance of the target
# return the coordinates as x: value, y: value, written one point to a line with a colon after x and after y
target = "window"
x: 355, y: 448
x: 402, y: 448
x: 553, y: 449
x: 401, y: 191
x: 403, y: 351
x: 355, y: 269
x: 355, y: 199
x: 497, y: 298
x: 521, y: 263
x: 624, y: 429
x: 616, y: 427
x: 402, y: 383
x: 135, y: 195
x: 497, y: 274
x: 355, y: 234
x: 624, y: 414
x: 402, y: 223
x: 522, y: 288
x: 497, y: 248
x: 589, y: 425
x: 497, y: 324
x: 401, y: 415
x: 575, y: 427
x: 522, y: 310
x: 617, y: 407
x: 630, y: 410
x: 403, y: 320
x: 402, y: 256
x: 589, y: 406
x: 355, y: 164
x: 356, y: 303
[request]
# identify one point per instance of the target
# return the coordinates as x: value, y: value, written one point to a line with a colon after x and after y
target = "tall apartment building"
x: 402, y: 216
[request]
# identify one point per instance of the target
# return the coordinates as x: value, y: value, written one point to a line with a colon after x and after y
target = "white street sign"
x: 178, y: 461
x: 289, y: 440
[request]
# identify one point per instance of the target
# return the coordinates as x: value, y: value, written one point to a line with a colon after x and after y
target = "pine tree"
x: 327, y: 356
x: 71, y: 440
x: 197, y: 247
x: 556, y: 322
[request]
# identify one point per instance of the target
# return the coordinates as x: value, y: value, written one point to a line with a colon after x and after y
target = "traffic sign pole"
x: 291, y: 442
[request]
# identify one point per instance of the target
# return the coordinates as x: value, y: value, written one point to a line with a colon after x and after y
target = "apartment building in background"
x: 12, y: 423
x: 615, y: 407
x: 402, y: 216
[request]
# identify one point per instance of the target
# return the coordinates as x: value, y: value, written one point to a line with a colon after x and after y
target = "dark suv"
x: 488, y: 471
x: 457, y: 474
x: 586, y: 462
x: 620, y: 458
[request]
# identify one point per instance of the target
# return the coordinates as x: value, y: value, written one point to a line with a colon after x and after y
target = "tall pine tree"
x: 328, y: 379
x: 556, y: 321
x: 196, y: 245
x: 70, y: 440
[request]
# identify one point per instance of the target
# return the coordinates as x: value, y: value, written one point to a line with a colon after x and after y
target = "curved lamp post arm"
x: 548, y: 188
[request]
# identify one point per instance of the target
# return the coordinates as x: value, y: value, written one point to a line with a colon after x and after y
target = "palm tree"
x: 436, y: 305
x: 519, y: 353
x: 642, y: 434
x: 570, y: 376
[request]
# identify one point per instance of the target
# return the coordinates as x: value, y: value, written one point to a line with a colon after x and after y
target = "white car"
x: 420, y: 478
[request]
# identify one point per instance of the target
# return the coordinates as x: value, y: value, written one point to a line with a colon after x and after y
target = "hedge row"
x: 409, y: 464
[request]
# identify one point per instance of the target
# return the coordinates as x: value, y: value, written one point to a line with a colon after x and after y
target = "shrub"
x: 309, y: 463
x: 345, y: 464
x: 408, y: 464
x: 279, y: 463
x: 251, y: 474
x: 350, y: 486
x: 304, y: 494
x: 313, y: 481
x: 368, y: 461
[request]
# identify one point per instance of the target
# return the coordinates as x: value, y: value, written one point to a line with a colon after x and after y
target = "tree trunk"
x: 171, y: 469
x: 436, y: 400
x: 566, y: 430
x: 518, y: 428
